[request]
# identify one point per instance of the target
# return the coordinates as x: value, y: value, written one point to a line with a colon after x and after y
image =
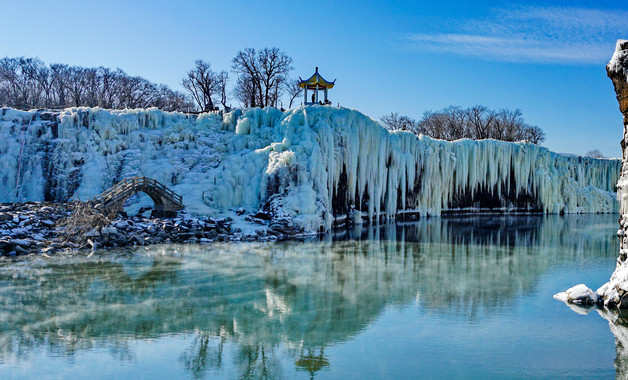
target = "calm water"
x: 441, y: 298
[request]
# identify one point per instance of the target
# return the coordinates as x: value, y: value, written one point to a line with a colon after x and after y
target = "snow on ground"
x: 295, y: 164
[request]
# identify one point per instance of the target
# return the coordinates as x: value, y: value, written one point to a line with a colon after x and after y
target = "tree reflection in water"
x: 294, y: 297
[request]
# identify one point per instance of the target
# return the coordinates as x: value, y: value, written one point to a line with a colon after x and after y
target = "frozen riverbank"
x: 38, y: 228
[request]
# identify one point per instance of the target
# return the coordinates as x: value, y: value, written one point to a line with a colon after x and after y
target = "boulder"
x: 24, y: 243
x: 579, y: 295
x: 121, y: 224
x: 19, y: 250
x: 47, y: 223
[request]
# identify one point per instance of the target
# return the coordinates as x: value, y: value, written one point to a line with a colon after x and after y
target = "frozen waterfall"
x: 309, y: 164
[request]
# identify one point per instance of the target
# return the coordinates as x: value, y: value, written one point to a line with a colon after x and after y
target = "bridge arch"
x: 166, y: 201
x: 129, y: 206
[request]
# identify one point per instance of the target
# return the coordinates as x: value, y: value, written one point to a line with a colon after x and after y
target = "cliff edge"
x: 613, y: 294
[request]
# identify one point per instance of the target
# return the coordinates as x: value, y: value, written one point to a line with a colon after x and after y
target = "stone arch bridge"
x: 167, y: 202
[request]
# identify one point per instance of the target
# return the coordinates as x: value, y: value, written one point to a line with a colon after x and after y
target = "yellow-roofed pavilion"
x: 316, y: 83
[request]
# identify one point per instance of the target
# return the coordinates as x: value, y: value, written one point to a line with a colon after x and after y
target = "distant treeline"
x: 478, y: 122
x: 27, y: 83
x: 261, y: 81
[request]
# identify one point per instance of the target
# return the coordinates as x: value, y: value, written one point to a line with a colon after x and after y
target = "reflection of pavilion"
x: 315, y: 83
x: 311, y: 362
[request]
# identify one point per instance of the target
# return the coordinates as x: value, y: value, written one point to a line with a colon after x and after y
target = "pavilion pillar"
x: 305, y: 95
x: 316, y: 98
x: 325, y: 94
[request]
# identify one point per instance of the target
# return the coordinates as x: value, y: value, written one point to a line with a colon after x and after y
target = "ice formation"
x: 309, y: 164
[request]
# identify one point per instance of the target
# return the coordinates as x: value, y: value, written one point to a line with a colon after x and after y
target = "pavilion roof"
x: 314, y: 80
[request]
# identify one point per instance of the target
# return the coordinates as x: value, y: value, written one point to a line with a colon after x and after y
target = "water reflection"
x: 618, y: 324
x: 256, y: 307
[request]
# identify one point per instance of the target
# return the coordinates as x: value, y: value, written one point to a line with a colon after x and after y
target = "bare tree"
x: 21, y: 82
x: 44, y: 80
x: 481, y: 120
x: 222, y: 78
x: 456, y: 123
x: 30, y: 90
x: 202, y: 84
x: 394, y: 122
x: 60, y: 83
x: 594, y: 153
x: 274, y: 68
x: 293, y: 90
x: 9, y: 81
x: 434, y: 124
x: 261, y: 76
x: 247, y: 89
x: 137, y: 92
x: 508, y: 125
x: 91, y: 82
x: 76, y: 85
x: 28, y: 83
x: 532, y: 134
x: 476, y: 122
x: 109, y: 86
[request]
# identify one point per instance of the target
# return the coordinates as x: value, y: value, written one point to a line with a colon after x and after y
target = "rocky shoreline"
x: 37, y: 228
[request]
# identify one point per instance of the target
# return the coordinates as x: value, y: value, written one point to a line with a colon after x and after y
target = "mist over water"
x: 444, y: 296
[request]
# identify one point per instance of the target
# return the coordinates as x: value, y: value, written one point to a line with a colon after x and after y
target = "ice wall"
x: 308, y: 164
x: 325, y: 160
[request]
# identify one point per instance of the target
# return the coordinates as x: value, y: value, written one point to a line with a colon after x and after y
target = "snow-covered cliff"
x: 614, y: 292
x: 308, y: 164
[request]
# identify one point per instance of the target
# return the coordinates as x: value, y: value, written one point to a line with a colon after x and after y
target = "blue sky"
x: 546, y: 58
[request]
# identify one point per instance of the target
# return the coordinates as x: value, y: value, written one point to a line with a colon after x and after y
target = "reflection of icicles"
x: 274, y: 303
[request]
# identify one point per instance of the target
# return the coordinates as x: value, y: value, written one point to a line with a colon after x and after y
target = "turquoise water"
x: 441, y: 298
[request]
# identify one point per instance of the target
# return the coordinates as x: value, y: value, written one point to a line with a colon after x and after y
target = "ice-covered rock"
x: 579, y: 294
